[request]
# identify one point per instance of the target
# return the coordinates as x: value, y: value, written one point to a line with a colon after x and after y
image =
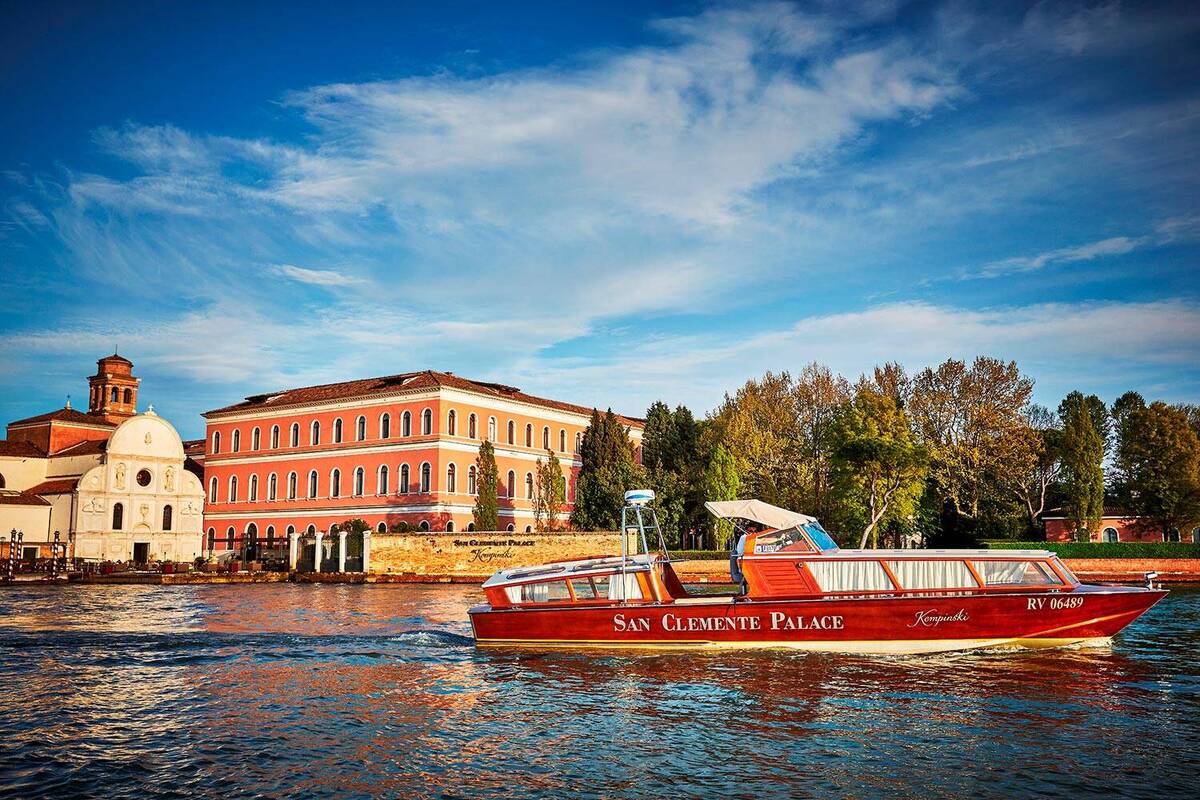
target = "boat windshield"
x: 819, y: 537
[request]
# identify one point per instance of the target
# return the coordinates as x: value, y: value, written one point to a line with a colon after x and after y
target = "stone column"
x: 317, y: 553
x: 341, y: 551
x: 293, y: 550
x: 366, y: 567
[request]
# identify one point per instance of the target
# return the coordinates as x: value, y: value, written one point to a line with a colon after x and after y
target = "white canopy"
x: 758, y: 511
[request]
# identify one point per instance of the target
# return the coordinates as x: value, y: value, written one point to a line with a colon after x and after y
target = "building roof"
x: 56, y: 486
x: 88, y: 447
x: 66, y: 415
x: 388, y: 384
x: 115, y: 357
x: 19, y: 449
x: 12, y: 498
x: 193, y: 447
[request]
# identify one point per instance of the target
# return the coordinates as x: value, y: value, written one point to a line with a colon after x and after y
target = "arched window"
x: 470, y: 527
x: 312, y: 484
x: 212, y: 490
x: 295, y: 440
x: 335, y: 483
x: 290, y: 530
x: 115, y: 395
x: 315, y: 435
x: 471, y: 426
x: 237, y: 440
x: 424, y: 525
x: 291, y: 490
x: 450, y: 526
x: 385, y: 426
x: 1110, y: 535
x: 406, y: 424
x: 1172, y: 535
x: 337, y: 431
x: 451, y: 423
x: 426, y: 422
x: 274, y: 437
x: 359, y: 481
x: 2, y: 484
x: 118, y: 516
x: 528, y: 485
x: 511, y: 527
x: 451, y: 483
x: 383, y: 479
x: 253, y: 489
x: 229, y: 534
x: 578, y: 441
x: 492, y: 430
x: 360, y: 428
x: 529, y: 529
x: 216, y: 445
x: 403, y: 487
x: 511, y: 487
x: 212, y: 539
x: 1196, y: 535
x: 472, y: 485
x: 426, y: 475
x: 272, y: 486
x: 270, y: 536
x: 310, y: 530
x: 545, y: 438
x: 381, y: 527
x: 562, y: 440
x: 512, y: 432
x: 166, y: 518
x: 528, y: 435
x: 233, y: 488
x: 255, y: 439
x: 128, y: 396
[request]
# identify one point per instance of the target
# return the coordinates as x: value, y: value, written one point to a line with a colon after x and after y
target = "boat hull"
x: 1085, y: 616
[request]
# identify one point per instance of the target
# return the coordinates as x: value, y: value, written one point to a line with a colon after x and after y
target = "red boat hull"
x: 1088, y: 614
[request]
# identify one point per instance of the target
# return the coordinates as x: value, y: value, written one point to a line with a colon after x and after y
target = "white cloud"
x: 1113, y: 246
x: 315, y: 277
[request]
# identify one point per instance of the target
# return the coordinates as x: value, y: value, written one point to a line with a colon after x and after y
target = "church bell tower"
x: 113, y: 389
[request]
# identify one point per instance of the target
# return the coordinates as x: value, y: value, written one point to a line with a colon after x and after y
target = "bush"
x: 701, y: 555
x: 1106, y: 549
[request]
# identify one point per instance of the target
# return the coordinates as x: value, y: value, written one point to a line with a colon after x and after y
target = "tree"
x: 721, y: 482
x: 607, y: 472
x: 819, y: 397
x: 1158, y: 463
x: 486, y: 513
x: 674, y: 468
x: 1043, y: 462
x: 971, y: 422
x: 549, y: 492
x: 879, y: 467
x: 1082, y: 452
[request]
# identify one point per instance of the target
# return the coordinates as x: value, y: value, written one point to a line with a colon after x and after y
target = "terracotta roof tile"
x: 19, y: 449
x: 65, y: 415
x: 410, y: 381
x: 87, y: 447
x: 56, y: 486
x: 11, y: 498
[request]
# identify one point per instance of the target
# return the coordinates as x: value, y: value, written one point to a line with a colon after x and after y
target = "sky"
x: 599, y: 203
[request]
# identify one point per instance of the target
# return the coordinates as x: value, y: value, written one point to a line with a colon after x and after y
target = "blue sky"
x: 602, y: 204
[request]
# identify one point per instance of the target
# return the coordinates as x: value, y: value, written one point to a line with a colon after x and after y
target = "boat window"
x: 820, y: 538
x: 546, y: 592
x: 932, y: 574
x: 584, y: 589
x: 850, y: 576
x: 774, y: 541
x: 1015, y: 573
x: 610, y: 586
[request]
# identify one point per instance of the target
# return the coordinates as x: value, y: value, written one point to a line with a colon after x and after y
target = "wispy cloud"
x: 1113, y: 246
x: 315, y: 277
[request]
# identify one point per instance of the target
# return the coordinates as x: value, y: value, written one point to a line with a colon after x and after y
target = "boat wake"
x: 433, y: 639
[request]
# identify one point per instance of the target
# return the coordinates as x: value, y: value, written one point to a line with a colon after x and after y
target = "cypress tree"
x: 721, y: 482
x: 487, y: 510
x: 1082, y: 465
x: 607, y: 471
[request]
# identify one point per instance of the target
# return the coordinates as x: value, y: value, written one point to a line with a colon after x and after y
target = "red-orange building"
x: 400, y: 448
x: 1116, y: 527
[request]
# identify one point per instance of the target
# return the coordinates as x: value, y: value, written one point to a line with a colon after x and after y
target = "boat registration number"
x: 1055, y: 603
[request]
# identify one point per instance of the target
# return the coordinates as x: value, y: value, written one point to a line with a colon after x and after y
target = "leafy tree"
x: 671, y: 457
x: 970, y: 419
x: 352, y: 526
x: 1042, y: 464
x: 1158, y: 464
x: 721, y: 482
x: 486, y: 513
x: 1082, y: 451
x: 549, y: 492
x: 819, y: 398
x: 607, y: 472
x: 879, y: 467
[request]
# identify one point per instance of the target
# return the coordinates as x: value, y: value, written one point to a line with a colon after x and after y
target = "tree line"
x: 946, y: 456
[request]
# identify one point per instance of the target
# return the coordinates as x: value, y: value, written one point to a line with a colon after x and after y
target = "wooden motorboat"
x: 798, y: 589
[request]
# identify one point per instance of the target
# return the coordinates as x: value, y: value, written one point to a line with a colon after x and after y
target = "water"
x: 377, y: 691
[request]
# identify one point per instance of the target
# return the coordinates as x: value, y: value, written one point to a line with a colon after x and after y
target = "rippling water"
x: 378, y: 691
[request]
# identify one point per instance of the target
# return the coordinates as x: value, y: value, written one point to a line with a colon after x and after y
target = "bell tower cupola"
x: 113, y: 389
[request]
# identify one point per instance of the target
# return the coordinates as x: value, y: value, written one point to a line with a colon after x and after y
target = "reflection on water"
x: 377, y: 691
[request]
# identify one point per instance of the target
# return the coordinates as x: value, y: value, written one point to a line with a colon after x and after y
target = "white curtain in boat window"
x: 850, y: 576
x: 932, y: 574
x: 1008, y: 573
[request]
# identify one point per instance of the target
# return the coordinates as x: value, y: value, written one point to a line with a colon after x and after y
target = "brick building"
x: 1116, y: 526
x: 400, y: 448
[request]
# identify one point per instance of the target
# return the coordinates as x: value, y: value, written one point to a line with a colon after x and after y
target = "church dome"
x: 146, y: 434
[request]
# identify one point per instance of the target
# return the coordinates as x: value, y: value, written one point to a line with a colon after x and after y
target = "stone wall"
x: 476, y: 555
